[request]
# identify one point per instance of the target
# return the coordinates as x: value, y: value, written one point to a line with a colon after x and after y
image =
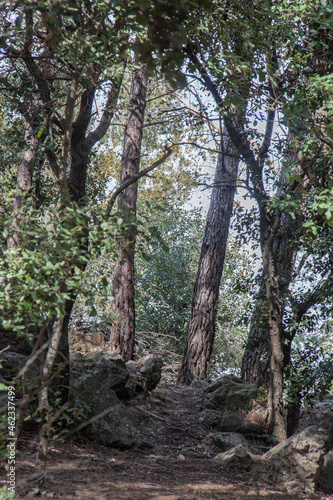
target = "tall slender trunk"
x: 24, y: 181
x: 256, y: 358
x: 123, y: 329
x: 201, y: 332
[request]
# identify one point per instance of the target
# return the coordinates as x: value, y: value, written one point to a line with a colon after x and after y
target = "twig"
x: 151, y: 414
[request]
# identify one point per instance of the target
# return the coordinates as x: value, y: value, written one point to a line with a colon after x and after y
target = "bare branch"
x: 109, y: 110
x: 135, y: 178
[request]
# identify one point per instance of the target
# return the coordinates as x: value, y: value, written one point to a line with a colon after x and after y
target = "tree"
x: 123, y: 328
x: 273, y: 229
x: 201, y: 332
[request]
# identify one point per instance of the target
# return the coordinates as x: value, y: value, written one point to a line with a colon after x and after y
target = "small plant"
x: 5, y: 494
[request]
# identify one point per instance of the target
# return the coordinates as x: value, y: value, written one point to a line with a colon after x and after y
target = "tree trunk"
x: 24, y: 181
x: 201, y: 332
x: 123, y: 328
x: 256, y: 359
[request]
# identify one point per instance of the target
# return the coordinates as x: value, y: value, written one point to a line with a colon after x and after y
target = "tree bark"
x: 24, y: 181
x: 201, y: 332
x: 123, y: 328
x: 256, y: 359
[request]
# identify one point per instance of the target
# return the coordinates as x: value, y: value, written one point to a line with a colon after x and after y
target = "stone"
x: 223, y: 440
x: 18, y: 343
x: 232, y: 395
x: 115, y: 429
x: 320, y: 412
x: 231, y: 422
x: 210, y: 418
x: 221, y: 381
x: 298, y: 461
x: 12, y: 362
x: 239, y: 458
x: 326, y: 477
x: 97, y: 389
x: 150, y: 367
x: 108, y: 369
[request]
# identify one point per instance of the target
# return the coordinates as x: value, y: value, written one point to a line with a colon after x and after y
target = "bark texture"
x: 123, y: 329
x: 201, y: 332
x: 256, y: 359
x: 24, y: 181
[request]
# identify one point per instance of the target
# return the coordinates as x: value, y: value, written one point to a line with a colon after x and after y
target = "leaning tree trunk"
x: 256, y: 358
x: 123, y: 328
x: 201, y: 332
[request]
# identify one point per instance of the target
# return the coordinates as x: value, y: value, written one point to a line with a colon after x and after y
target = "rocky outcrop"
x: 298, y: 461
x: 12, y: 362
x: 320, y: 412
x: 229, y: 393
x: 105, y: 367
x: 326, y: 477
x: 239, y: 458
x: 223, y: 441
x: 227, y: 422
x: 100, y: 381
x: 144, y: 374
x: 96, y: 388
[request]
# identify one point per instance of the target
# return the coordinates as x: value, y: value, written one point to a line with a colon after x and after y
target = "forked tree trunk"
x: 123, y: 329
x: 201, y: 332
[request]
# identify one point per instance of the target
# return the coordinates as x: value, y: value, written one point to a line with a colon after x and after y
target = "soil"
x: 168, y: 464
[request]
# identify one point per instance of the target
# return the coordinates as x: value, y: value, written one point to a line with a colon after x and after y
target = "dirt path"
x: 169, y: 464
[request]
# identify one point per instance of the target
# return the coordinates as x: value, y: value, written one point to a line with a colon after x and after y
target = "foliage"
x: 38, y: 278
x: 311, y: 373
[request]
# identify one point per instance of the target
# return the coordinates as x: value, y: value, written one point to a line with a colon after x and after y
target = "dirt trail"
x: 169, y: 464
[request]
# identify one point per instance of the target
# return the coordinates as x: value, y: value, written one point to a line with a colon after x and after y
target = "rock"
x: 234, y: 422
x: 115, y: 429
x: 12, y: 362
x: 108, y: 368
x: 227, y: 422
x: 231, y: 422
x: 96, y: 388
x: 232, y: 395
x: 321, y: 413
x: 239, y: 458
x: 326, y: 477
x: 150, y: 367
x: 210, y: 418
x: 298, y: 461
x: 198, y: 384
x: 144, y: 374
x: 222, y: 381
x: 18, y: 343
x: 223, y: 440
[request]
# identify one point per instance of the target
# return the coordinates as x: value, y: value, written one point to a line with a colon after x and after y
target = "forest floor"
x: 169, y: 464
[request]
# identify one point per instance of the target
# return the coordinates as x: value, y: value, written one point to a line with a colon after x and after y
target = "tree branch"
x: 135, y: 178
x: 109, y: 110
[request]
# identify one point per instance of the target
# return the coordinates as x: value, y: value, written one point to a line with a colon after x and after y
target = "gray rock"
x: 221, y: 381
x: 150, y: 367
x: 95, y: 389
x: 326, y: 477
x: 231, y: 422
x: 321, y: 413
x: 298, y: 461
x: 108, y: 369
x: 18, y: 343
x: 210, y: 418
x: 232, y: 395
x: 12, y: 362
x: 223, y: 440
x: 116, y: 429
x: 239, y: 458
